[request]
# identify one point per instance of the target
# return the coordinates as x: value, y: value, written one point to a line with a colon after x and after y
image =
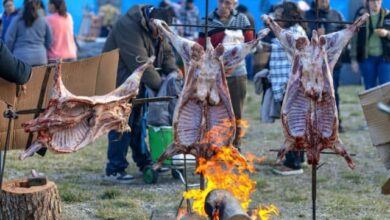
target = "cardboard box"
x: 88, y: 77
x: 377, y: 121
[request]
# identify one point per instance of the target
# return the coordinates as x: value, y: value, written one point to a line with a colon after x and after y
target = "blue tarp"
x: 256, y: 7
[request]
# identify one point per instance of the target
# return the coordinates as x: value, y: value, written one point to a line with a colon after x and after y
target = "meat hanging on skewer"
x: 203, y: 118
x: 309, y: 114
x: 71, y: 122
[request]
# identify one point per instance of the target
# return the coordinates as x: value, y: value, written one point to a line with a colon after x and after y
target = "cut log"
x: 223, y: 205
x: 386, y: 188
x: 18, y: 202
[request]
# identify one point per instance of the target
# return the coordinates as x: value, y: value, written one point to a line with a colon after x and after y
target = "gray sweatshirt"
x: 29, y: 44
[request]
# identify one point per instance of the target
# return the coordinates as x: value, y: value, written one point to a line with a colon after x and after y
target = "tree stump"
x: 222, y: 204
x: 19, y: 202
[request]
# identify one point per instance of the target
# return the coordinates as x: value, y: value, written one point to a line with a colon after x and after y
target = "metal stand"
x: 314, y: 189
x: 10, y: 114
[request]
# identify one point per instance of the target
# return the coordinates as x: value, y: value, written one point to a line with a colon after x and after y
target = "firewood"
x: 223, y: 204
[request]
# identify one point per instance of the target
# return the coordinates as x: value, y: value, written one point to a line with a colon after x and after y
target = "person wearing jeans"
x: 371, y: 46
x: 138, y: 39
x: 375, y: 70
x: 118, y: 144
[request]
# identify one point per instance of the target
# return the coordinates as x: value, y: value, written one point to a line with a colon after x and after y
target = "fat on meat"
x: 71, y: 122
x: 309, y: 114
x: 203, y: 118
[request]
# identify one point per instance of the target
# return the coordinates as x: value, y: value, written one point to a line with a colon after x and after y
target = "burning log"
x: 221, y: 204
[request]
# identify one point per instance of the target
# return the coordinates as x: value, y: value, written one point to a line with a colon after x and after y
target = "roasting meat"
x: 309, y: 113
x: 71, y: 122
x: 203, y: 117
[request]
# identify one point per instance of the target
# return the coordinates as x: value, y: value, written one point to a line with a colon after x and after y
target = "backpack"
x: 161, y: 113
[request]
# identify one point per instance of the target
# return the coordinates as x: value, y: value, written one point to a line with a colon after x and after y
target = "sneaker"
x: 163, y: 169
x: 286, y: 171
x: 119, y: 177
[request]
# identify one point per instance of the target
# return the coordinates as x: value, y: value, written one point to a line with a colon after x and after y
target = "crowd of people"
x: 35, y: 38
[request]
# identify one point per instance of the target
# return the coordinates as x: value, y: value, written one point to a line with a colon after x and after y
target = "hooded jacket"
x: 132, y: 36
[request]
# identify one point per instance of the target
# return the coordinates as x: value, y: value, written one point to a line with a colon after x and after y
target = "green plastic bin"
x: 159, y: 139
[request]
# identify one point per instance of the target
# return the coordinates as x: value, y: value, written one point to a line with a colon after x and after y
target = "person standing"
x: 137, y: 37
x: 371, y: 46
x: 279, y: 74
x: 326, y: 13
x: 189, y: 14
x: 61, y: 23
x: 223, y: 17
x: 9, y: 13
x: 29, y: 35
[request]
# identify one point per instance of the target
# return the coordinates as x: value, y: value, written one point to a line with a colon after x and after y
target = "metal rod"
x: 317, y: 15
x: 186, y: 180
x: 206, y: 28
x: 323, y: 152
x: 211, y: 26
x: 154, y: 99
x: 135, y: 102
x: 7, y: 139
x: 314, y: 189
x: 313, y: 21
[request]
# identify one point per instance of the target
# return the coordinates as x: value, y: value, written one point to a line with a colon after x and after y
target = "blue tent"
x: 256, y: 7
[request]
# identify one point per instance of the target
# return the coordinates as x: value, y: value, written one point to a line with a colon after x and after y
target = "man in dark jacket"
x: 137, y: 38
x: 327, y: 14
x: 11, y: 68
x: 371, y: 46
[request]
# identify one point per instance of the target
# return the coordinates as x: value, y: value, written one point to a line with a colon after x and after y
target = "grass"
x: 341, y: 194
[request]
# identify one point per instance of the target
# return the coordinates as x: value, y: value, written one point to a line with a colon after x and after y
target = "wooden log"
x: 20, y: 202
x: 222, y: 204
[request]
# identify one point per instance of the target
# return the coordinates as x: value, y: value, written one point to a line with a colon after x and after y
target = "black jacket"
x: 359, y: 50
x: 11, y: 68
x: 325, y: 15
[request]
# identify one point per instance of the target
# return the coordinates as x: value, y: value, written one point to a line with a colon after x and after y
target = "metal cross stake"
x: 10, y: 114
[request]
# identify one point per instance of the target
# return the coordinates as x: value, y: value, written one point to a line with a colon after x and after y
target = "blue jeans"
x: 249, y: 66
x: 374, y: 70
x: 294, y: 159
x: 118, y: 144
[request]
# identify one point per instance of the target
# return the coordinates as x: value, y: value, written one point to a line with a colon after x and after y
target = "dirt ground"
x: 342, y: 193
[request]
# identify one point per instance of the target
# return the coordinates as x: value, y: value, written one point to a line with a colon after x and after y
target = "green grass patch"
x: 120, y: 209
x: 354, y: 177
x: 111, y: 193
x: 72, y: 193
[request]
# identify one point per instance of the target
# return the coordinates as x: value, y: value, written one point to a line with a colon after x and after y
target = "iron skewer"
x: 323, y: 152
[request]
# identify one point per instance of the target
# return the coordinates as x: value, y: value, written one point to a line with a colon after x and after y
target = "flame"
x: 243, y: 124
x: 181, y: 213
x: 227, y: 169
x: 219, y: 133
x: 264, y: 212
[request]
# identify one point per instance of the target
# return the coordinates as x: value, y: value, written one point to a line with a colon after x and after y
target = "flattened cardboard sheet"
x: 378, y: 122
x: 88, y: 77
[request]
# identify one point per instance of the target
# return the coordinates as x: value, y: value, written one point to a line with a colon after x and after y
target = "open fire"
x: 228, y: 170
